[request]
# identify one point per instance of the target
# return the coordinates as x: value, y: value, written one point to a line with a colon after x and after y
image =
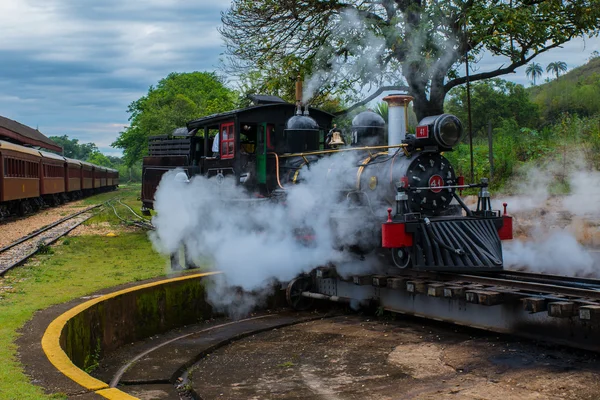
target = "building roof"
x: 23, y: 134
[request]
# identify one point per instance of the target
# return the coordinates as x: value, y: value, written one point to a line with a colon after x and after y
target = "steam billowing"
x: 350, y: 25
x: 559, y: 229
x: 253, y: 241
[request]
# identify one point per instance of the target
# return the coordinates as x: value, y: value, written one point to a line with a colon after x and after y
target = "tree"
x: 494, y: 101
x: 177, y: 99
x: 100, y: 159
x: 534, y: 70
x: 557, y: 67
x: 362, y: 45
x: 73, y: 149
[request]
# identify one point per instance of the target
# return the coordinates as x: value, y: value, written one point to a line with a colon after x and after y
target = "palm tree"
x: 534, y: 70
x: 557, y: 67
x: 382, y: 109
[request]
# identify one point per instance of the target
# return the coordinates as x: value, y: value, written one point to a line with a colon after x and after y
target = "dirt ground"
x: 355, y: 358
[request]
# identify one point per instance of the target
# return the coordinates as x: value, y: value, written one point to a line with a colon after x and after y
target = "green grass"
x: 129, y: 191
x: 78, y: 266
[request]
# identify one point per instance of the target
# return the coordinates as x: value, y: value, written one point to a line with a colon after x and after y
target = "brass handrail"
x: 318, y: 152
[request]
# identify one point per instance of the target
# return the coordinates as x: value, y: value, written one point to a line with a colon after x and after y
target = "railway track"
x: 19, y: 251
x: 178, y: 352
x: 551, y: 308
x: 139, y: 221
x: 585, y: 288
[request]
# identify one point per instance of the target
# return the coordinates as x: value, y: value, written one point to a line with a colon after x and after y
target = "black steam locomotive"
x: 406, y: 192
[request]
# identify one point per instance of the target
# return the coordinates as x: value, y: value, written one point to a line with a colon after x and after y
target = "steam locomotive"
x: 405, y: 190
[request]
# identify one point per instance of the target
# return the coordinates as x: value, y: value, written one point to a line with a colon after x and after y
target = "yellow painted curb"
x: 115, y: 394
x: 58, y: 358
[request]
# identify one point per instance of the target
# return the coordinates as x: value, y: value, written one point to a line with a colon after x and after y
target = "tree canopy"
x: 100, y: 159
x: 73, y: 149
x: 344, y: 44
x: 177, y: 99
x: 494, y: 101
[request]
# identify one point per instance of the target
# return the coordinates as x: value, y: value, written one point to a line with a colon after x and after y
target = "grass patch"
x: 87, y: 264
x: 131, y: 191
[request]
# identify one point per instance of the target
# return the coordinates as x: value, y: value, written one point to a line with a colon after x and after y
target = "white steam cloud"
x: 555, y: 234
x: 255, y: 241
x: 363, y: 40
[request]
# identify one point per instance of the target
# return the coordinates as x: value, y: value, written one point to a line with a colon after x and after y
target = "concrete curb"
x: 60, y: 360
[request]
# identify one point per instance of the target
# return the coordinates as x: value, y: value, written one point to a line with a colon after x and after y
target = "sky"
x: 71, y: 67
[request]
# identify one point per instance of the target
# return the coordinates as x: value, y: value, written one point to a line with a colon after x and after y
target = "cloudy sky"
x: 71, y: 67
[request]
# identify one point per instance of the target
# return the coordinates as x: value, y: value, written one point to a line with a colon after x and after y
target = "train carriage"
x: 112, y: 180
x: 19, y: 175
x: 53, y: 179
x: 100, y: 177
x: 73, y: 177
x: 31, y: 179
x: 97, y: 174
x: 87, y: 176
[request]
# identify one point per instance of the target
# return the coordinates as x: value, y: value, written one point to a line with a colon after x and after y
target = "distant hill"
x: 576, y: 92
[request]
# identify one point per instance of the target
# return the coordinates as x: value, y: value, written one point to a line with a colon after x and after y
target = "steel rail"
x: 24, y: 258
x: 46, y: 228
x: 133, y: 212
x: 572, y: 281
x: 528, y: 286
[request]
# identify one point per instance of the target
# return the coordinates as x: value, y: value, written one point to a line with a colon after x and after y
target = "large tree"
x: 370, y: 43
x: 177, y: 99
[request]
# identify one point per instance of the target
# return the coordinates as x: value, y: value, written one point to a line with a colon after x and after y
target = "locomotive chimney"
x: 299, y: 96
x: 397, y: 119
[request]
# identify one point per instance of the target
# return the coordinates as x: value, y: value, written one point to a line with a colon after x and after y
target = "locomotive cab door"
x: 264, y: 144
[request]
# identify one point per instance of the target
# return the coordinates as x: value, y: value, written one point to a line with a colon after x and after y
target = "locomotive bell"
x: 336, y: 139
x: 443, y: 131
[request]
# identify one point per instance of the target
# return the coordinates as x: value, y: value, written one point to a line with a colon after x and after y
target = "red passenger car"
x: 19, y: 179
x: 87, y: 176
x: 73, y: 177
x: 52, y: 182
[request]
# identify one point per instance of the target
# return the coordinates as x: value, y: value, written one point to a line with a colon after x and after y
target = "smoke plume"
x: 258, y: 242
x: 555, y: 233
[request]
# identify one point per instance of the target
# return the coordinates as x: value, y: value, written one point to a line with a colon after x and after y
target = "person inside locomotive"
x: 215, y: 146
x: 248, y: 140
x: 334, y: 138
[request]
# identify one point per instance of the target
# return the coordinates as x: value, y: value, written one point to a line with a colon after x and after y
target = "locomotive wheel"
x: 401, y: 257
x: 293, y: 293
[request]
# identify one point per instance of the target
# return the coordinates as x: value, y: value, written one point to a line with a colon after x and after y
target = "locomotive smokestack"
x: 397, y: 118
x: 299, y: 96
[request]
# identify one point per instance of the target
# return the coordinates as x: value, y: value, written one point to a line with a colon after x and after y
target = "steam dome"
x: 368, y: 129
x: 301, y: 134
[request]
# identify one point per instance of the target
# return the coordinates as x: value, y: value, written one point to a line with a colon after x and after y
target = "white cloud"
x: 70, y: 66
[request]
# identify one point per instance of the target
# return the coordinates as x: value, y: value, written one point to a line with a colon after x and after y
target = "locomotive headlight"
x: 448, y: 130
x: 443, y: 130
